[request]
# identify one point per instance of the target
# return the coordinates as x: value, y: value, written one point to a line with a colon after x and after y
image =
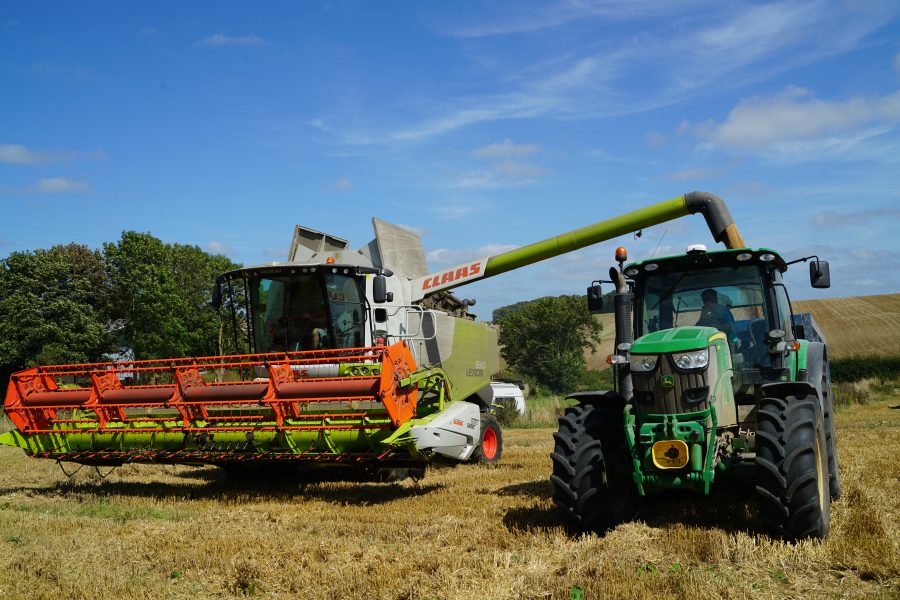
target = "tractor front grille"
x: 688, y: 392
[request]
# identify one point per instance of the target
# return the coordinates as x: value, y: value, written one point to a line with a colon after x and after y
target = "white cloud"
x: 504, y: 149
x: 341, y: 185
x: 58, y: 185
x: 694, y: 174
x: 731, y: 45
x: 70, y: 72
x: 219, y: 40
x: 420, y: 231
x: 832, y: 218
x: 545, y: 15
x: 502, y: 174
x: 440, y: 257
x: 18, y: 154
x: 216, y: 247
x: 795, y: 116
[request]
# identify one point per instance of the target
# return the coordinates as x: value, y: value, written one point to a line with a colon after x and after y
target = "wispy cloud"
x: 18, y: 154
x: 420, y: 231
x: 341, y: 185
x: 444, y: 256
x: 694, y: 174
x: 727, y: 47
x: 220, y: 40
x: 216, y: 247
x: 795, y: 116
x: 58, y: 71
x: 543, y: 15
x: 60, y: 185
x: 833, y: 218
x: 504, y: 149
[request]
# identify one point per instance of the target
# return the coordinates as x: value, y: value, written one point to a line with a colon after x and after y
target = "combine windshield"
x: 729, y: 299
x: 308, y: 311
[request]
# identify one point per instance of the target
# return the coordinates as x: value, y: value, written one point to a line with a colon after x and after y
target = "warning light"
x: 621, y: 254
x: 329, y: 260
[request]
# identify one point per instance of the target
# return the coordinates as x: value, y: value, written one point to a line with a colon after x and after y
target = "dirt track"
x: 468, y: 532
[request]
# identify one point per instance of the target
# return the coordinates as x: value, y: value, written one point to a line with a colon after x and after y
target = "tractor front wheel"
x: 589, y: 495
x: 792, y: 467
x: 490, y: 449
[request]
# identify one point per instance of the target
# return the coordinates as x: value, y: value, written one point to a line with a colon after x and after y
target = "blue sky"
x: 482, y: 125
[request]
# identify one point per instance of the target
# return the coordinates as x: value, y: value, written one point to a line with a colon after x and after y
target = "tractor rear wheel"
x: 589, y: 495
x: 834, y: 474
x: 490, y: 449
x: 792, y: 467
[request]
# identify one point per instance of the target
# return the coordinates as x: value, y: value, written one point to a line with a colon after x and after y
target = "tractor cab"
x: 739, y: 293
x: 291, y: 308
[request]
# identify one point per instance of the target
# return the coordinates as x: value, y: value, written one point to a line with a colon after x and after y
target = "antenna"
x: 661, y: 238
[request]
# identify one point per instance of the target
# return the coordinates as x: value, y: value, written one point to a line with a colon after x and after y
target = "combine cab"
x: 358, y: 358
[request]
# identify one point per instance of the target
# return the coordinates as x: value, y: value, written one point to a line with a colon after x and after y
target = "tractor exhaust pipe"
x: 624, y: 330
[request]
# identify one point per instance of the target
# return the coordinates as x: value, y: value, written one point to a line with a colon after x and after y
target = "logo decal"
x: 452, y: 276
x: 667, y: 381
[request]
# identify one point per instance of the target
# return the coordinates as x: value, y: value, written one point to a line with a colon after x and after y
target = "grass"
x: 464, y: 532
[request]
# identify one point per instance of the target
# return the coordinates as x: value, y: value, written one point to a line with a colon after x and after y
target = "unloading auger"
x: 356, y: 358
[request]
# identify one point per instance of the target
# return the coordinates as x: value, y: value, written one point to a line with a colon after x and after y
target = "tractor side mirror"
x: 379, y: 290
x: 819, y: 276
x: 595, y: 299
x: 216, y: 301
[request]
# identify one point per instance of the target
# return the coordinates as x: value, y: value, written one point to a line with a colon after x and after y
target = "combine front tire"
x: 588, y: 494
x: 792, y: 467
x: 490, y: 449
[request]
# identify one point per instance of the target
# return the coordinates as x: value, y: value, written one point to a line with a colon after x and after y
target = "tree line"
x: 138, y: 298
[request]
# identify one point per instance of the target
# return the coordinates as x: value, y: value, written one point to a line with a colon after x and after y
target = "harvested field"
x: 467, y: 532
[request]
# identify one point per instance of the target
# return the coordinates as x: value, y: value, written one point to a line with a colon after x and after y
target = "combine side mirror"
x: 379, y: 290
x: 595, y: 299
x: 819, y: 276
x: 216, y: 301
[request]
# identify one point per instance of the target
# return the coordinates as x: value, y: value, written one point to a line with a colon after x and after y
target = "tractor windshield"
x: 730, y: 299
x: 307, y: 311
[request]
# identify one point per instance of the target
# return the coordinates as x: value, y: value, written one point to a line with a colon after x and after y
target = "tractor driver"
x: 713, y: 314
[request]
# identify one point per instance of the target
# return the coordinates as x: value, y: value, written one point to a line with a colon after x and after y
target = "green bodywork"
x: 700, y: 430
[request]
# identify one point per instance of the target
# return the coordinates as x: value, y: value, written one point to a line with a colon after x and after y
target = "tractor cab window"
x: 310, y: 311
x: 729, y: 299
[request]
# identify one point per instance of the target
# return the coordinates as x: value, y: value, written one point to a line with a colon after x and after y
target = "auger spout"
x: 712, y: 207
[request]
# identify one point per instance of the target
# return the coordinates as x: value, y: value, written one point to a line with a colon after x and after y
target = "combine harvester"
x: 357, y: 358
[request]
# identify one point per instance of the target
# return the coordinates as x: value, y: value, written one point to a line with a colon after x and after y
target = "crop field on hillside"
x: 859, y: 325
x: 863, y: 325
x: 465, y: 532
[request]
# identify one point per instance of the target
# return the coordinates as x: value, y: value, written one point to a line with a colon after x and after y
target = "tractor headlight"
x: 642, y: 363
x: 698, y: 359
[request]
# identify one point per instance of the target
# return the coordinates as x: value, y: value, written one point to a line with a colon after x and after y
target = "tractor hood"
x: 679, y: 339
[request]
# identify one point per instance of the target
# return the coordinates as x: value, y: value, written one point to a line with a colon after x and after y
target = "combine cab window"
x: 730, y: 299
x: 306, y: 312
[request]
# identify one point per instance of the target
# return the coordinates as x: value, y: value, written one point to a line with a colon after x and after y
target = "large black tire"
x: 834, y: 473
x: 589, y: 494
x: 490, y: 448
x: 792, y: 467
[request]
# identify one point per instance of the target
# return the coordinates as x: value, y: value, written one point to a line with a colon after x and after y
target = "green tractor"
x: 717, y: 380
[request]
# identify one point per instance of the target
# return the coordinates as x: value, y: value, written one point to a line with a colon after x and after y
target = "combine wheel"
x: 490, y: 449
x: 588, y: 494
x: 792, y: 467
x: 834, y: 473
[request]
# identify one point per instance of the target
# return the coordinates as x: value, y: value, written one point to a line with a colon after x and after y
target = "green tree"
x: 546, y: 339
x: 161, y: 296
x: 54, y: 307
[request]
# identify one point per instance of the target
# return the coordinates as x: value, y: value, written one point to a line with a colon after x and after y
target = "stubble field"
x: 465, y: 532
